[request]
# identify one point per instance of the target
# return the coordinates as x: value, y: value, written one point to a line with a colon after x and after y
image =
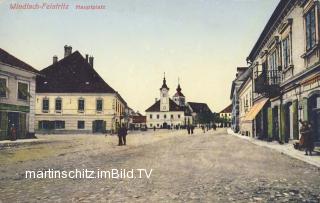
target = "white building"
x: 167, y: 112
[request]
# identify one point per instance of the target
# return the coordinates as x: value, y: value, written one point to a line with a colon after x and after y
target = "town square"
x: 160, y: 101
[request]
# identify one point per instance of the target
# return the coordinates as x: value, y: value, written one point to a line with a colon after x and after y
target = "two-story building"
x: 166, y: 112
x: 17, y: 97
x: 286, y: 71
x: 241, y: 76
x: 73, y: 98
x: 245, y: 107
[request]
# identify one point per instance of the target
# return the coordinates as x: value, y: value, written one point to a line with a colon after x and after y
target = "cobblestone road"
x: 211, y: 167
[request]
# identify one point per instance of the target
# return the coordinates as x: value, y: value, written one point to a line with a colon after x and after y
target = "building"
x: 199, y: 110
x: 225, y: 116
x: 167, y: 112
x: 17, y: 97
x: 245, y: 105
x: 285, y: 64
x: 242, y: 74
x: 73, y: 98
x: 139, y: 121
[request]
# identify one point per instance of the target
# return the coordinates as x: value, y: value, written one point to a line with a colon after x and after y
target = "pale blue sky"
x: 135, y: 41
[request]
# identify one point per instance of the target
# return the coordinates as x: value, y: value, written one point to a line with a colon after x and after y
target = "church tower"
x: 164, y: 96
x: 178, y: 97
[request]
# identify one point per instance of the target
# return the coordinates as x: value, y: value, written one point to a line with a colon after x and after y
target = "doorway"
x: 98, y: 126
x: 13, y: 121
x: 314, y: 115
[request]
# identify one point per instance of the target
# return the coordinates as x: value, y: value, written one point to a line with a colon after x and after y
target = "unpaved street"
x: 211, y: 167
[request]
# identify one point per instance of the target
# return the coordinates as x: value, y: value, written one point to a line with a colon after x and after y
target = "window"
x: 151, y: 125
x: 44, y: 125
x: 58, y: 105
x: 158, y: 116
x: 150, y: 116
x: 3, y: 87
x: 81, y: 124
x: 23, y: 92
x: 99, y: 105
x: 286, y: 52
x: 81, y: 105
x: 49, y: 125
x: 59, y: 124
x: 179, y: 116
x: 273, y: 61
x: 310, y: 29
x: 171, y: 116
x: 164, y: 116
x: 45, y: 105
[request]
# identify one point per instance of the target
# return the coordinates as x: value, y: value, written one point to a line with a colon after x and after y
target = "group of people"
x: 306, y: 139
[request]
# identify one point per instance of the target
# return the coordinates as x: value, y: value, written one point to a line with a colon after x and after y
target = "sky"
x: 135, y: 41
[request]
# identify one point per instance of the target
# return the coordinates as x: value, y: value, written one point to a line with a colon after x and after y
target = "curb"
x: 284, y: 150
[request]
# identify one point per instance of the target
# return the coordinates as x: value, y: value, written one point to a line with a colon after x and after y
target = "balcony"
x: 268, y: 82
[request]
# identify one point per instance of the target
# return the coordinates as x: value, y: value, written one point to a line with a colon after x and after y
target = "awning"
x: 256, y: 108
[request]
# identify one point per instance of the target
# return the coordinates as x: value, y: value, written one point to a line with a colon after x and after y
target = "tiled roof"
x: 199, y: 107
x: 72, y: 74
x: 228, y: 109
x: 9, y: 59
x: 173, y: 107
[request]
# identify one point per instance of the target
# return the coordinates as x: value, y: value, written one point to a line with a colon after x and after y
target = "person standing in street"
x: 192, y: 128
x: 306, y: 136
x: 122, y: 135
x: 188, y: 129
x: 13, y: 132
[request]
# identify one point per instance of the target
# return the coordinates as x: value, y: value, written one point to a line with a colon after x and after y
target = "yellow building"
x: 71, y: 97
x: 245, y: 107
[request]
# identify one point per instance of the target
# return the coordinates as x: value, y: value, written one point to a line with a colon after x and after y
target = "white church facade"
x: 167, y: 112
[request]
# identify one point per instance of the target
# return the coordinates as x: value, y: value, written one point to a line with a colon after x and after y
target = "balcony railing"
x: 268, y: 82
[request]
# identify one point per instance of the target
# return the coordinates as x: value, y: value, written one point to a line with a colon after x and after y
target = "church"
x: 169, y: 112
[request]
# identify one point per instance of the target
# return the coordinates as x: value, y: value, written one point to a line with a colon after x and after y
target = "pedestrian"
x: 188, y: 129
x: 154, y: 128
x: 203, y: 129
x: 122, y: 135
x: 214, y: 127
x: 13, y: 132
x: 192, y: 128
x: 306, y: 137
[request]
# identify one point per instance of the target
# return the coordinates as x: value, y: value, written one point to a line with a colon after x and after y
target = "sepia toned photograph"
x: 160, y: 101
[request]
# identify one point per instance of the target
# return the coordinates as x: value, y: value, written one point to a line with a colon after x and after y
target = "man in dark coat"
x: 122, y: 135
x: 188, y: 129
x: 306, y: 136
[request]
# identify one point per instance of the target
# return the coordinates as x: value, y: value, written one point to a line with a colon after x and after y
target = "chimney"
x: 54, y: 59
x: 87, y: 58
x: 91, y: 61
x: 67, y: 50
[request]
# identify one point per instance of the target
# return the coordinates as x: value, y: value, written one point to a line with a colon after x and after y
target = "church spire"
x: 178, y: 88
x: 164, y: 84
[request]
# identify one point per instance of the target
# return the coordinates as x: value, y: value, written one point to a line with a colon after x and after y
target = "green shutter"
x: 295, y: 120
x: 104, y: 126
x: 282, y: 123
x: 305, y: 109
x: 270, y: 123
x: 4, y: 126
x: 22, y: 126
